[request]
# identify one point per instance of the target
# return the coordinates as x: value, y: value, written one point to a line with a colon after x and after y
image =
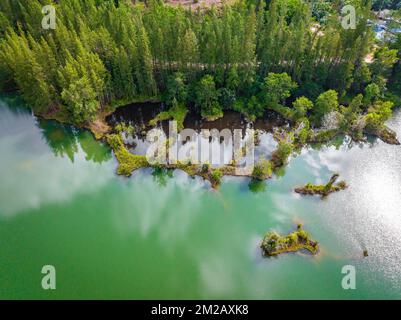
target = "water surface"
x: 165, y: 235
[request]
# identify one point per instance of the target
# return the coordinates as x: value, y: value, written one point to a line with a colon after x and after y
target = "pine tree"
x: 188, y: 49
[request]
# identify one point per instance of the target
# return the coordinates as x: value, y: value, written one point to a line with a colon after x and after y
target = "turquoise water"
x: 161, y: 236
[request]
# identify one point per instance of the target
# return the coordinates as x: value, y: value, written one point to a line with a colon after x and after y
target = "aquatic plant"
x: 274, y: 244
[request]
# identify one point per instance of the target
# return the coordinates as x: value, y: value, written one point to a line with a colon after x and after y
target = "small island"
x: 274, y: 244
x: 323, y: 190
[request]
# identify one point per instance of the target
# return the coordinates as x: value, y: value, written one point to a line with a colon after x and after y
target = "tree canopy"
x: 249, y: 56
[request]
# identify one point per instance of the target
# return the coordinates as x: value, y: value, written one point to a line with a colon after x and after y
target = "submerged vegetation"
x: 274, y: 244
x: 323, y: 190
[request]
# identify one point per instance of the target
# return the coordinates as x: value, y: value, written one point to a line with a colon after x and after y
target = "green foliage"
x: 324, y: 135
x: 372, y: 93
x: 83, y: 82
x: 253, y: 109
x: 257, y: 186
x: 281, y: 154
x: 123, y: 127
x: 274, y: 244
x: 233, y: 79
x: 325, y: 103
x: 385, y: 4
x: 127, y: 162
x: 123, y: 83
x: 301, y: 105
x: 394, y: 98
x: 177, y: 112
x: 207, y: 98
x: 188, y: 48
x: 205, y: 168
x: 20, y: 60
x: 351, y: 113
x: 321, y: 9
x: 162, y: 175
x: 262, y: 170
x: 215, y: 177
x: 107, y: 51
x: 379, y: 113
x: 176, y: 88
x: 323, y: 190
x: 395, y: 44
x: 303, y: 131
x: 277, y: 88
x: 384, y: 61
x: 227, y: 98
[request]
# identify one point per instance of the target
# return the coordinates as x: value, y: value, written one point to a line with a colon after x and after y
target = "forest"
x: 250, y: 56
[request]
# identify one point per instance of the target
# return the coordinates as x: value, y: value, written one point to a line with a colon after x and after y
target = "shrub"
x: 280, y: 156
x: 262, y: 170
x: 215, y: 177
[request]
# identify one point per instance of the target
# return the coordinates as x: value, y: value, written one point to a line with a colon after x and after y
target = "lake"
x: 164, y: 235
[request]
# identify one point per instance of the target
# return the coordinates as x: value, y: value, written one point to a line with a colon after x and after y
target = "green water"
x: 156, y: 236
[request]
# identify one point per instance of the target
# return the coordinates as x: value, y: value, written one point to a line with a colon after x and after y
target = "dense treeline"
x: 250, y: 56
x: 394, y: 43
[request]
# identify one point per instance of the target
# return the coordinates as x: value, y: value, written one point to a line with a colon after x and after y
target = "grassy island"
x: 323, y: 190
x: 274, y: 244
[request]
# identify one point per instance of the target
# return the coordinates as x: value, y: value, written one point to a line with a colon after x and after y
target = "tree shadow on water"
x: 63, y: 141
x: 257, y: 186
x: 162, y: 175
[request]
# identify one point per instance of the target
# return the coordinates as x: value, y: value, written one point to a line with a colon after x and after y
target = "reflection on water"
x: 162, y: 175
x: 164, y: 207
x: 63, y: 140
x: 139, y: 114
x: 213, y: 150
x: 38, y: 159
x: 60, y: 138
